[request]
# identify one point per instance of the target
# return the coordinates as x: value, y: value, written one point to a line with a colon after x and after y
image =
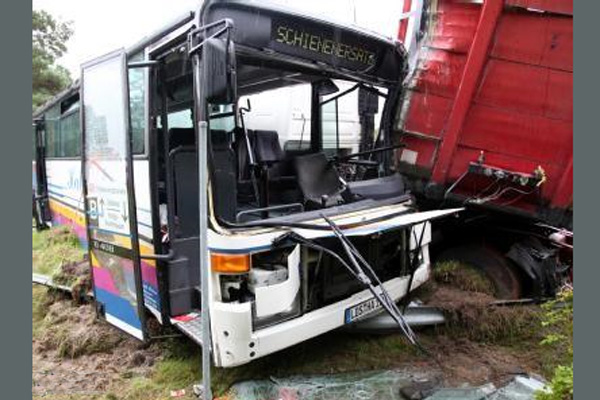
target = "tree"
x: 49, y: 37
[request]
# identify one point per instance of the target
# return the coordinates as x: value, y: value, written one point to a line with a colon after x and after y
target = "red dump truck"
x: 486, y: 121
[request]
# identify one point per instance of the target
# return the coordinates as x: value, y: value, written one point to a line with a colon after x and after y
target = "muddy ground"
x: 75, y: 353
x: 79, y: 357
x: 76, y: 356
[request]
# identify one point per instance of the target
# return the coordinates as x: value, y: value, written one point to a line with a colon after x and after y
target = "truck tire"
x: 497, y: 268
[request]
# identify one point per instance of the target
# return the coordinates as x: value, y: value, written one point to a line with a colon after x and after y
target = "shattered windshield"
x: 299, y: 144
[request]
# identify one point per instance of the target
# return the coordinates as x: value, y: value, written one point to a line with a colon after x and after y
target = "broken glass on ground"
x: 380, y: 385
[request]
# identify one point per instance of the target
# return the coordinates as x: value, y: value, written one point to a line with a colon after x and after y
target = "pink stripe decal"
x: 103, y: 280
x: 148, y: 271
x: 149, y: 274
x: 78, y: 229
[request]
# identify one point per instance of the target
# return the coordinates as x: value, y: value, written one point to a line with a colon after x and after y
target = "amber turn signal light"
x: 230, y: 263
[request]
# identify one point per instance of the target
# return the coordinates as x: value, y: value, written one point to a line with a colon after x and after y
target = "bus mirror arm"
x: 159, y: 257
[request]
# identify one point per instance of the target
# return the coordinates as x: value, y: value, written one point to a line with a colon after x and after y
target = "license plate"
x: 361, y: 310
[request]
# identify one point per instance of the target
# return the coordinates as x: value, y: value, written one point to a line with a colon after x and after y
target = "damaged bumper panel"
x: 244, y: 330
x: 235, y: 342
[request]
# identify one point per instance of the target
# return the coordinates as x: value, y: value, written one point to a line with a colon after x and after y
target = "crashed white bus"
x: 245, y: 245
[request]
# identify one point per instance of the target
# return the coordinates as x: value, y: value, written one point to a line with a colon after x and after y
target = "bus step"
x: 190, y: 324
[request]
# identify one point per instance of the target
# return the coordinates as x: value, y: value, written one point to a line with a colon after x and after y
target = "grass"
x: 464, y: 295
x: 170, y: 374
x: 54, y: 323
x: 40, y: 303
x: 558, y: 340
x: 73, y: 343
x: 53, y: 248
x: 463, y: 277
x: 336, y: 352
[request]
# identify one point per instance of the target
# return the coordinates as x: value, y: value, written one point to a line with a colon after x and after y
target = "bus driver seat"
x: 277, y: 175
x: 320, y: 182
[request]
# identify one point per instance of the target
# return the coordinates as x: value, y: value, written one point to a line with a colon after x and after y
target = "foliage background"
x: 49, y: 42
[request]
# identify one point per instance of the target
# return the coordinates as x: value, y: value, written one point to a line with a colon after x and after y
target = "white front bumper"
x: 234, y: 342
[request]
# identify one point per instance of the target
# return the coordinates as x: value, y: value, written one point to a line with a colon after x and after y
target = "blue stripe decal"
x: 81, y: 210
x: 111, y: 232
x: 240, y: 251
x: 64, y: 195
x: 119, y: 308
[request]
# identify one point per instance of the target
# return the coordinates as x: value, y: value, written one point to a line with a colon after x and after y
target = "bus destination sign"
x: 322, y: 43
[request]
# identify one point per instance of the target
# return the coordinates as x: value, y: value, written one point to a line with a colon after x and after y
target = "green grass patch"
x: 53, y: 248
x: 73, y: 397
x: 169, y: 374
x: 336, y: 352
x: 463, y: 277
x: 40, y: 301
x: 558, y: 341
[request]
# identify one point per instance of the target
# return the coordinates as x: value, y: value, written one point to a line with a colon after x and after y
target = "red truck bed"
x: 488, y: 114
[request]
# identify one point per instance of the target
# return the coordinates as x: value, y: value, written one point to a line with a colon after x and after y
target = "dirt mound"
x: 75, y: 331
x: 473, y: 315
x: 463, y: 361
x: 74, y: 353
x: 77, y: 276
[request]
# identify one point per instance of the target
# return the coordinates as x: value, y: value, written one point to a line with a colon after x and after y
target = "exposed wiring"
x: 456, y: 182
x: 476, y: 199
x: 500, y: 193
x: 482, y: 192
x: 539, y: 173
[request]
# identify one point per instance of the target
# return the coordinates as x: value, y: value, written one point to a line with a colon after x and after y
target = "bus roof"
x: 269, y: 28
x: 68, y: 92
x: 260, y: 25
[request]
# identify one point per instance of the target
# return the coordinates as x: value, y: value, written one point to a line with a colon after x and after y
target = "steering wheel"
x: 357, y: 163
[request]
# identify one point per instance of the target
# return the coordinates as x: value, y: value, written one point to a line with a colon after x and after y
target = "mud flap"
x: 539, y: 262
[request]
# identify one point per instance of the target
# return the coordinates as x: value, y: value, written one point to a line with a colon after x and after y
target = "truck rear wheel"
x: 497, y: 268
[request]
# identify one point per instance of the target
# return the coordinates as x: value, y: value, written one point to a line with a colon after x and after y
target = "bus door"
x: 41, y: 210
x: 107, y: 169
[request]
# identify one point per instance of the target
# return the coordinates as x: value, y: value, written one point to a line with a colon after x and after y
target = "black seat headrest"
x: 267, y: 147
x: 220, y: 138
x: 181, y: 137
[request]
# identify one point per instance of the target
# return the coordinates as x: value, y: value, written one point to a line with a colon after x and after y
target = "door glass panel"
x: 114, y: 253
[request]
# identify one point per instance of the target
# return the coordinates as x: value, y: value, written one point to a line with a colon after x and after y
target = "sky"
x: 101, y: 26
